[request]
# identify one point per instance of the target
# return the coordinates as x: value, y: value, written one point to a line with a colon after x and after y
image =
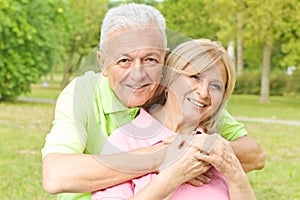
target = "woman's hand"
x: 212, y: 148
x: 217, y: 151
x: 200, y: 179
x: 181, y: 165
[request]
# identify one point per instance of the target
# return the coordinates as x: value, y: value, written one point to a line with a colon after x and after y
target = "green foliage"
x: 30, y: 42
x: 280, y: 83
x: 293, y: 85
x: 188, y: 17
x: 275, y: 23
x: 85, y: 18
x: 248, y: 83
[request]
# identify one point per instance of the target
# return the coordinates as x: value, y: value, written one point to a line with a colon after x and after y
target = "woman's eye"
x: 215, y: 86
x: 196, y: 77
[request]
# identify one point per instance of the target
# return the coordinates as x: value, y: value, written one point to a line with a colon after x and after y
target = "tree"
x: 230, y: 24
x: 269, y: 24
x: 260, y: 28
x: 189, y: 18
x: 85, y: 17
x: 30, y: 43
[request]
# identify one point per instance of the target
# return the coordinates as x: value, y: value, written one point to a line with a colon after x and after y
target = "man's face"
x: 133, y: 62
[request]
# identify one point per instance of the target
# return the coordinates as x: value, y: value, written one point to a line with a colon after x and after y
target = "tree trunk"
x: 240, y: 60
x: 265, y: 78
x: 68, y: 69
x: 231, y: 52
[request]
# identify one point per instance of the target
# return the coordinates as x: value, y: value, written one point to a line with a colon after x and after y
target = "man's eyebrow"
x: 118, y: 56
x: 124, y: 55
x: 153, y: 53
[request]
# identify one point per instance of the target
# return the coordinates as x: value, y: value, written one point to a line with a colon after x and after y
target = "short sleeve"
x: 68, y: 133
x: 230, y: 128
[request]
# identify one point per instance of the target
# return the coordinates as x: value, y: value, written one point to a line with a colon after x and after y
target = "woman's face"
x: 198, y: 96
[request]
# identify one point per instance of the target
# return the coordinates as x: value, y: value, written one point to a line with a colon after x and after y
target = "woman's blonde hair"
x: 191, y: 58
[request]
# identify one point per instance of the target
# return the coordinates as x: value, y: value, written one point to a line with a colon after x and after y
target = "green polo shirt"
x: 87, y: 112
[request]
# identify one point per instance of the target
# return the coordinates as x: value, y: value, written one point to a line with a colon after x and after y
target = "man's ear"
x: 101, y: 63
x: 166, y: 55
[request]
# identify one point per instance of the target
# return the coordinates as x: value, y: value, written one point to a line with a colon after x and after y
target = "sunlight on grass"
x: 22, y: 130
x: 285, y: 108
x: 280, y: 178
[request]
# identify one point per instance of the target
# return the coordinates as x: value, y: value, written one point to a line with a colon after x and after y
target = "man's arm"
x: 85, y: 173
x: 250, y: 154
x: 248, y: 151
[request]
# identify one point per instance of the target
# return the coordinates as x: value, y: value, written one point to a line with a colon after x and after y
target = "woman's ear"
x: 101, y: 63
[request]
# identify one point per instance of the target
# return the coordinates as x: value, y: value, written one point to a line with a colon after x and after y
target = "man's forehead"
x: 134, y: 39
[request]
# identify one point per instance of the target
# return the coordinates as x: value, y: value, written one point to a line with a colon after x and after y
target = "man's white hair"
x: 129, y: 16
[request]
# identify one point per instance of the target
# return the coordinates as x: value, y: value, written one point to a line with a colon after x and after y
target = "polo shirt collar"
x: 110, y: 103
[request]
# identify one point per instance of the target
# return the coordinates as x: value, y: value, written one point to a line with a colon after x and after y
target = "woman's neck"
x: 172, y: 119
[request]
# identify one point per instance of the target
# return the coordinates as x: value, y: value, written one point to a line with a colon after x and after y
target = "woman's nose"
x: 202, y: 89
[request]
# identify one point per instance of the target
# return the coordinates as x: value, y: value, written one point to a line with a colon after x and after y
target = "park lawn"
x: 280, y: 178
x: 283, y: 108
x: 23, y: 127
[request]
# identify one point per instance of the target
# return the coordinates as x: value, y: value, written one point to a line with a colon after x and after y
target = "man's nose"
x: 137, y: 70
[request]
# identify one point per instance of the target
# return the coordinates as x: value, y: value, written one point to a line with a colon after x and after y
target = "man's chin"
x: 133, y: 104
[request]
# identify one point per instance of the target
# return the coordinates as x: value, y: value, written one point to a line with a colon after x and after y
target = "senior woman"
x: 198, y: 79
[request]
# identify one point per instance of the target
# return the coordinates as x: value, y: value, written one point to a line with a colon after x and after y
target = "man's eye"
x: 151, y: 60
x: 124, y: 60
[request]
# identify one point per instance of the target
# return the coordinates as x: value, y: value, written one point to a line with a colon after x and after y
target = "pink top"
x: 145, y: 131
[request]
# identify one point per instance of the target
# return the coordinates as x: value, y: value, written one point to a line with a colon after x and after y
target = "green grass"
x: 50, y: 92
x: 23, y: 127
x: 38, y: 91
x: 280, y: 178
x: 285, y: 108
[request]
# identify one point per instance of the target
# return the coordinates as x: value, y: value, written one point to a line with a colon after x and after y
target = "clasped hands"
x: 189, y: 157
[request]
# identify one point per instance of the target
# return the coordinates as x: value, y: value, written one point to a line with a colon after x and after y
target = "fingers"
x: 205, y: 143
x: 201, y: 179
x: 176, y: 150
x: 203, y: 157
x: 168, y: 140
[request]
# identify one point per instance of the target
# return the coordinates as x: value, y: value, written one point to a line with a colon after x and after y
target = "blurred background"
x: 44, y: 44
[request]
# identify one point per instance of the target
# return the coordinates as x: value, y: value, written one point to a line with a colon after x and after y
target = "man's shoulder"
x: 87, y: 81
x: 82, y: 86
x: 89, y: 77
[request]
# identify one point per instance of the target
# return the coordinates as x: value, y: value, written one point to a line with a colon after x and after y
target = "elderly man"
x: 133, y: 48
